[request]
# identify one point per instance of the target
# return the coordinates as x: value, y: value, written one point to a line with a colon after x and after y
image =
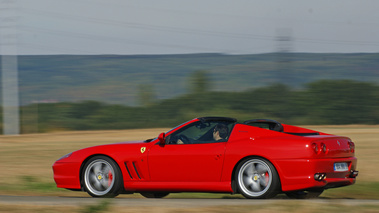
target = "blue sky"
x: 192, y: 26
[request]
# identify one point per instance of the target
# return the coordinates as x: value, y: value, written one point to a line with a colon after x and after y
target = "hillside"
x: 116, y: 78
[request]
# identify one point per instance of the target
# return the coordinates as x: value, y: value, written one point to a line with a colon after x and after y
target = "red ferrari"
x: 257, y: 158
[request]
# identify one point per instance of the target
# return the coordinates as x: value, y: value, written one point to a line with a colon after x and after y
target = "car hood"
x: 107, y: 149
x: 129, y: 142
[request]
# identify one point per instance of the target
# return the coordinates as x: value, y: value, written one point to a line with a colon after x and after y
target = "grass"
x: 100, y: 207
x: 30, y: 183
x: 26, y: 162
x: 360, y: 190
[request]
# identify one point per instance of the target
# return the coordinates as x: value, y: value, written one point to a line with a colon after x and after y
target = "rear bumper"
x: 300, y: 174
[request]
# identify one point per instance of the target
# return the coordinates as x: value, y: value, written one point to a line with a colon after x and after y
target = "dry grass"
x: 6, y: 208
x: 27, y: 157
x: 32, y: 155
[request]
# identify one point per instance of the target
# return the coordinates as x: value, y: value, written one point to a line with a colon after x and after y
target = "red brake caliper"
x: 266, y: 178
x: 110, y: 178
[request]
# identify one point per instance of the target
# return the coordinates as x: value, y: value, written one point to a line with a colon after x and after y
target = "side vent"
x: 135, y: 168
x: 127, y: 169
x: 132, y: 168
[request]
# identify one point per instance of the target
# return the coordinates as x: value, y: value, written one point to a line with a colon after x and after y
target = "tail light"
x: 315, y: 148
x: 323, y: 148
x: 351, y: 146
x: 319, y: 148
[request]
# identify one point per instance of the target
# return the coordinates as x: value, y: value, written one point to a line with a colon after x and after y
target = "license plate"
x: 341, y: 167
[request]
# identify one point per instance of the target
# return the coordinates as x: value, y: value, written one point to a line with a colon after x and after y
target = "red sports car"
x: 257, y: 158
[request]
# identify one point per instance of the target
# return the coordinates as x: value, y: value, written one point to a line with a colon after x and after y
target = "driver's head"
x: 222, y: 130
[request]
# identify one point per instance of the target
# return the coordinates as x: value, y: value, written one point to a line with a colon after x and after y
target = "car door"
x: 186, y: 162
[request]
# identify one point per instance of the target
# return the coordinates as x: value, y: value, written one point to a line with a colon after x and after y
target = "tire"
x: 102, y: 177
x: 154, y: 194
x: 257, y: 178
x: 308, y: 194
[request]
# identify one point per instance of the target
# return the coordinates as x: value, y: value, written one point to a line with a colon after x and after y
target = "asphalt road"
x: 165, y: 202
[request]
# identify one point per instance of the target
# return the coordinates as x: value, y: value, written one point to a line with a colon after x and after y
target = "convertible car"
x: 257, y: 158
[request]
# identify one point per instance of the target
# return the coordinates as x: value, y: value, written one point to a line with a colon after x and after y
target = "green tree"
x: 342, y: 102
x: 146, y: 95
x: 199, y: 82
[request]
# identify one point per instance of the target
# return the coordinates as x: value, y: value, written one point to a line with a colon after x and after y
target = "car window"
x: 201, y: 132
x: 261, y: 125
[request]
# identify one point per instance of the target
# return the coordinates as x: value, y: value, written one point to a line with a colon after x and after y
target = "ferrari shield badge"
x: 143, y: 149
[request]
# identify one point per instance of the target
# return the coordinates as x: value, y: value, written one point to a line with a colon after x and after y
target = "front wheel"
x: 257, y: 178
x: 102, y: 177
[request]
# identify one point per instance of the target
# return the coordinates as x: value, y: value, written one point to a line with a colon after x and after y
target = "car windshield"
x: 202, y: 132
x: 168, y: 132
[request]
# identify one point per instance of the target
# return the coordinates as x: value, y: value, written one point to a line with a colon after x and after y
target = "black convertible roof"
x: 206, y: 119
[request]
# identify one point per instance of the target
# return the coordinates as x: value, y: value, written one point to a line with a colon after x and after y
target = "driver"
x: 220, y: 132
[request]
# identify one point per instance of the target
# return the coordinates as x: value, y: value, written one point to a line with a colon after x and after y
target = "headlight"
x: 65, y: 156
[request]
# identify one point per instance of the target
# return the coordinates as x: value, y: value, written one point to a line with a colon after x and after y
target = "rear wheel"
x: 154, y: 194
x: 102, y: 177
x: 257, y: 178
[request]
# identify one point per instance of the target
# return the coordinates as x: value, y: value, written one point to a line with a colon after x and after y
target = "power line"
x: 181, y: 46
x: 136, y: 25
x: 162, y: 28
x: 109, y: 39
x: 165, y: 29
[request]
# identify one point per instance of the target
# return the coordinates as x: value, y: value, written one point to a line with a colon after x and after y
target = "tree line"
x: 320, y: 102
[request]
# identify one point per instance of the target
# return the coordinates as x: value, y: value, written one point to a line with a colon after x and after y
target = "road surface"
x: 164, y: 202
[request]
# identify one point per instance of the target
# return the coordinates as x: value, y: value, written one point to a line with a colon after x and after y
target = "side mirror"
x: 162, y: 139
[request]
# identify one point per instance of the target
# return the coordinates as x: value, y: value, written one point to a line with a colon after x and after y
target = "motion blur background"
x: 132, y: 64
x: 112, y: 64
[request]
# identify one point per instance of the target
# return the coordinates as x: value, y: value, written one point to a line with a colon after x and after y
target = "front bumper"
x: 66, y: 175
